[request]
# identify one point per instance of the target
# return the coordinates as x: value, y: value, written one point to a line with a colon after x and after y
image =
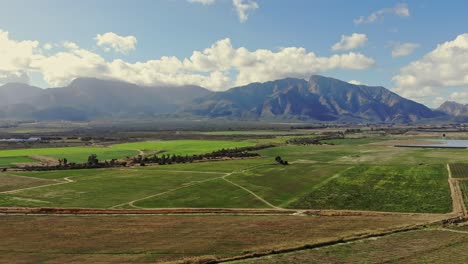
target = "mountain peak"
x: 453, y: 108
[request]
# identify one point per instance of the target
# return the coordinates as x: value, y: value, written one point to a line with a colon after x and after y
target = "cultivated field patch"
x: 80, y: 154
x: 424, y: 246
x: 12, y: 182
x: 459, y: 170
x: 154, y: 239
x: 217, y: 193
x: 403, y: 188
x: 103, y: 188
x: 10, y: 161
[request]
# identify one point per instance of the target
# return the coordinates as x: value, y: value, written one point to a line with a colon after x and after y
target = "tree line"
x: 315, y: 140
x: 165, y: 159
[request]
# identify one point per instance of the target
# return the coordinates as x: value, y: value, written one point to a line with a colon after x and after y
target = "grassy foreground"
x: 155, y: 239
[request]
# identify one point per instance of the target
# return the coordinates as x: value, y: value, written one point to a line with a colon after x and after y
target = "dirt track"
x: 457, y: 195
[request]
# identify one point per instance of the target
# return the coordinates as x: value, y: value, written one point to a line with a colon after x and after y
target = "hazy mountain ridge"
x: 320, y: 98
x: 89, y: 98
x: 454, y: 109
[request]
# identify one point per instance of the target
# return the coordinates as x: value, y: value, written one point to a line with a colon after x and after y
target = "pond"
x: 438, y: 143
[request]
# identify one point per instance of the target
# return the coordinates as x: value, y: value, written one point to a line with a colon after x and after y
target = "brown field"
x: 422, y: 246
x: 459, y: 170
x: 14, y: 182
x: 153, y: 238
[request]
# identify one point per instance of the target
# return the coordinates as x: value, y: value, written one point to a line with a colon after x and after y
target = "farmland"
x: 106, y: 239
x: 12, y: 160
x: 384, y: 188
x: 424, y: 246
x: 459, y: 170
x: 351, y: 187
x: 80, y: 154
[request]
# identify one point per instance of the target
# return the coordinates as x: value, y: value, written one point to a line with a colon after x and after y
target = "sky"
x: 418, y: 49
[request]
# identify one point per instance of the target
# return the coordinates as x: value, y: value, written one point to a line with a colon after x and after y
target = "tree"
x: 278, y: 159
x: 93, y: 160
x: 281, y: 161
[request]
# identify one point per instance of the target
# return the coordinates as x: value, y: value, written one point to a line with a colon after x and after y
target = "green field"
x: 80, y: 154
x: 352, y: 174
x: 402, y: 188
x: 9, y: 161
x: 211, y: 194
x: 255, y: 132
x: 101, y: 188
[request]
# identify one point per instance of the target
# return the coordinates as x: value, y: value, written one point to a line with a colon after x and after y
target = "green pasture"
x: 102, y: 188
x: 351, y: 174
x: 80, y: 154
x: 403, y: 188
x: 9, y: 161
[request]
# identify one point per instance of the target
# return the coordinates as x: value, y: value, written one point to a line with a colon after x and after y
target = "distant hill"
x: 90, y: 98
x: 320, y: 98
x: 454, y: 109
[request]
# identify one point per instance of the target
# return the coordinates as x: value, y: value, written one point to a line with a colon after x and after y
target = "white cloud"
x: 460, y: 97
x: 217, y: 67
x: 70, y: 45
x: 48, y: 46
x: 400, y: 10
x: 350, y: 42
x: 16, y: 55
x: 403, y: 49
x: 438, y: 101
x: 355, y: 82
x: 243, y: 7
x: 203, y: 2
x: 111, y: 41
x: 445, y: 66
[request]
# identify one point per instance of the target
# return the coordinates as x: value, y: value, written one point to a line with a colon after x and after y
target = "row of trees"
x: 93, y: 162
x: 314, y: 140
x: 218, y: 154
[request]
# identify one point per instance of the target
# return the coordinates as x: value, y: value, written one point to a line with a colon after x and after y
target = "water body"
x: 439, y: 143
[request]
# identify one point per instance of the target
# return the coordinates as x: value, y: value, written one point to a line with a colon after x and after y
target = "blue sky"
x: 40, y: 34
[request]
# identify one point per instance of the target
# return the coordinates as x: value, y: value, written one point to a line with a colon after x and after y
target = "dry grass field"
x: 149, y: 239
x: 422, y: 246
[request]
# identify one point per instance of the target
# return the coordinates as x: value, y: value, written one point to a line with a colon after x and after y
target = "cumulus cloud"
x: 403, y: 49
x: 16, y: 55
x: 203, y: 2
x: 460, y: 96
x: 445, y: 66
x: 243, y: 7
x: 111, y: 41
x: 48, y: 46
x: 217, y: 67
x: 400, y: 10
x: 350, y: 42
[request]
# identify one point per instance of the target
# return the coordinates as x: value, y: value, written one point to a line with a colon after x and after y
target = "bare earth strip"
x: 457, y: 195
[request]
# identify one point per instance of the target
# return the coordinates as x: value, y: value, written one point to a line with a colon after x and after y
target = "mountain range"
x: 454, y: 109
x: 318, y: 99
